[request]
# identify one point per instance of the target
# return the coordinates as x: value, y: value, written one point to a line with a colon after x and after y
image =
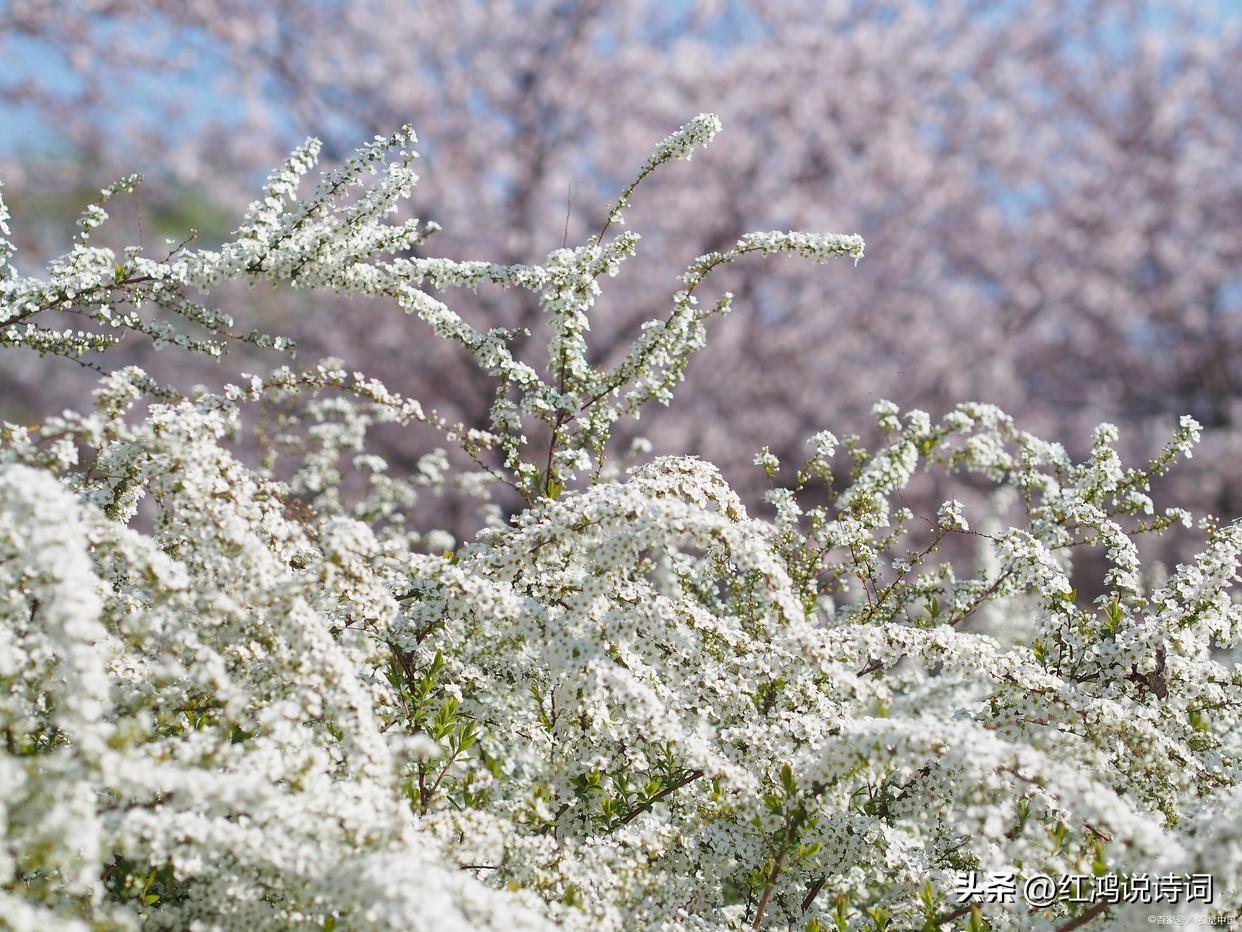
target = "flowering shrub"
x: 252, y: 696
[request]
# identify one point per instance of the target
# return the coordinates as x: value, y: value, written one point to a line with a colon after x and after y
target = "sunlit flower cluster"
x: 254, y: 696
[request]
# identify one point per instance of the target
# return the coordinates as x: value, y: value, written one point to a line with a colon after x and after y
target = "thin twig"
x: 639, y: 810
x: 1084, y: 918
x: 769, y: 886
x: 956, y: 914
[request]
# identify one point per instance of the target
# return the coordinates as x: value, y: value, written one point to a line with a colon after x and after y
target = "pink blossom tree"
x: 1050, y: 191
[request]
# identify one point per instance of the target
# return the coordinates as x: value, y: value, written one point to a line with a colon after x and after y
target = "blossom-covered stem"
x: 768, y: 886
x: 267, y: 694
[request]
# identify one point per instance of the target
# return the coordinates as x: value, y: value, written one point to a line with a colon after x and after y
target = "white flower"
x: 950, y: 517
x: 260, y: 697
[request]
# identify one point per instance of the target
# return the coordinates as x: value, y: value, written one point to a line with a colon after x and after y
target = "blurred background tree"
x: 1050, y: 190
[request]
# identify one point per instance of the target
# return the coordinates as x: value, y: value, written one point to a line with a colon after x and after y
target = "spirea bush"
x: 254, y: 696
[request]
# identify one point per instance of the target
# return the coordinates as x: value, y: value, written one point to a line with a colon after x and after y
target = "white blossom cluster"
x: 245, y: 697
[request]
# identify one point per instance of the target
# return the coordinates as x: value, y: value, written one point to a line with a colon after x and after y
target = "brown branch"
x: 639, y: 810
x: 956, y: 914
x: 872, y: 667
x: 1084, y: 918
x: 988, y: 593
x: 769, y: 886
x: 812, y: 893
x: 1097, y: 832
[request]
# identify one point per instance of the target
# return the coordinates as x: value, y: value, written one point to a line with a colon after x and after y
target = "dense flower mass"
x: 253, y: 695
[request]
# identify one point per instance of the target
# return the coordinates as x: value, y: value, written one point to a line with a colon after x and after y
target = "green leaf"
x: 787, y: 780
